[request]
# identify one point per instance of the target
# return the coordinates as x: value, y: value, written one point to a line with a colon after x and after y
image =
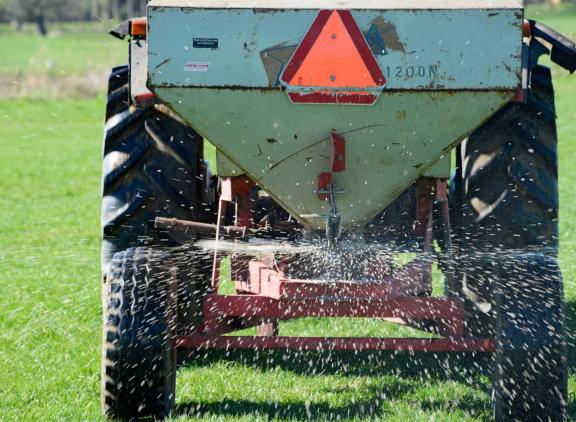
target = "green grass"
x: 50, y: 154
x: 64, y: 50
x: 559, y: 18
x: 72, y: 60
x: 49, y: 318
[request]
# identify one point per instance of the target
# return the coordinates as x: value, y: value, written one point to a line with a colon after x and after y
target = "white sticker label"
x: 197, y: 67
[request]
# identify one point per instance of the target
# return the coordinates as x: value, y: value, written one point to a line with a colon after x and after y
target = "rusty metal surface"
x: 193, y: 228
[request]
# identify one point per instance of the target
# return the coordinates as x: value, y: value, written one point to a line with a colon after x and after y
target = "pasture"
x: 51, y: 120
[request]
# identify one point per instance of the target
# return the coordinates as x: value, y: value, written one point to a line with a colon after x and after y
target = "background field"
x: 50, y: 152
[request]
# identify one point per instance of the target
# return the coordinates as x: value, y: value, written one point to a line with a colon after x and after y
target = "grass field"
x: 72, y: 61
x: 50, y: 313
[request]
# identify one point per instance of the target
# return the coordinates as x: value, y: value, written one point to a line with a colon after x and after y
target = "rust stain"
x: 389, y: 34
x: 262, y: 90
x: 401, y: 116
x: 430, y: 88
x: 257, y: 11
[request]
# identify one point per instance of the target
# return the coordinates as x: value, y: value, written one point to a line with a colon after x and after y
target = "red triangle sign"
x: 333, y: 64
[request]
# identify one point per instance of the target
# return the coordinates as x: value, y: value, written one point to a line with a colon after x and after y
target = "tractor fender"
x: 563, y: 51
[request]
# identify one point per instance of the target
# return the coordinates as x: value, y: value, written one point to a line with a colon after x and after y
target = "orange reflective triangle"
x: 333, y: 54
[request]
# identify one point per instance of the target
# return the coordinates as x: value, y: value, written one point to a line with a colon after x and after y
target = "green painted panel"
x: 416, y: 48
x: 440, y: 170
x: 284, y: 147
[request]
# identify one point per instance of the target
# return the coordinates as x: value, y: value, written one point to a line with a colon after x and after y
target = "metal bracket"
x: 334, y: 220
x: 327, y: 191
x: 122, y: 31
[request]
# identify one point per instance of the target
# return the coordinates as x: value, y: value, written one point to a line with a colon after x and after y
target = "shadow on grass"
x: 408, y: 372
x: 297, y: 410
x: 368, y: 408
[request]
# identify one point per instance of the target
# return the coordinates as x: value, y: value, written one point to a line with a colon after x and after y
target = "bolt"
x: 332, y: 78
x: 333, y: 36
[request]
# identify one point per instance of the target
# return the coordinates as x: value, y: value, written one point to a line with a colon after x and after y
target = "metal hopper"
x: 273, y: 83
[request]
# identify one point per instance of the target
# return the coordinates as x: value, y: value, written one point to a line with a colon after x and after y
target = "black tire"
x: 153, y: 166
x: 507, y: 198
x: 511, y: 174
x: 530, y: 368
x: 138, y: 353
x: 506, y: 208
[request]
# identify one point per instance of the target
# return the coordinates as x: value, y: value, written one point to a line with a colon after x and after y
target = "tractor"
x: 346, y: 134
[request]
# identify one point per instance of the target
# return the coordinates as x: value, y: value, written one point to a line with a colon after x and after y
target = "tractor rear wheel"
x: 153, y: 166
x: 138, y: 353
x: 506, y: 207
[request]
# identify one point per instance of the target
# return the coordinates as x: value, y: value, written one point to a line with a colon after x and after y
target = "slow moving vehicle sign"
x: 333, y: 64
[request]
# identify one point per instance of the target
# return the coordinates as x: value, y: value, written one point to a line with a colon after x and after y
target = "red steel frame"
x: 265, y: 295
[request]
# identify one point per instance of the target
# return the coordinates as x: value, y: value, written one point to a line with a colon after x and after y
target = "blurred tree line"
x: 40, y: 12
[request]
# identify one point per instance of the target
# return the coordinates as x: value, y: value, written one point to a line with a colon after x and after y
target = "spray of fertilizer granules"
x: 353, y: 260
